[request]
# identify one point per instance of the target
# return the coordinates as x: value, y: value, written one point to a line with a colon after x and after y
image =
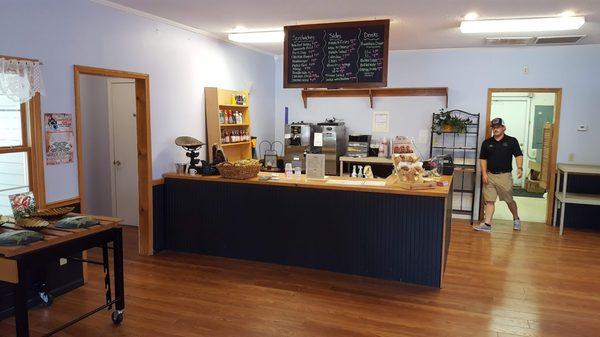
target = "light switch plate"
x: 62, y: 261
x: 581, y: 127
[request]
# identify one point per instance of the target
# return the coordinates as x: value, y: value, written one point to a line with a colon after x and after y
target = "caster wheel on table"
x: 117, y: 317
x: 46, y: 298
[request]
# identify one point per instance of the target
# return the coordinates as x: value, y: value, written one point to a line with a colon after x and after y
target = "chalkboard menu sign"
x: 336, y: 55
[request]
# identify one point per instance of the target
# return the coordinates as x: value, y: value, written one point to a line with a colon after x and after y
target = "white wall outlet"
x: 582, y: 127
x: 571, y: 157
x: 62, y: 261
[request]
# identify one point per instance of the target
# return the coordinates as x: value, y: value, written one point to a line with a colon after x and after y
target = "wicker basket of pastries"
x: 240, y: 169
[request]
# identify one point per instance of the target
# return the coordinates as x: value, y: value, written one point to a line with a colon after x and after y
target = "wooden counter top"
x: 302, y: 182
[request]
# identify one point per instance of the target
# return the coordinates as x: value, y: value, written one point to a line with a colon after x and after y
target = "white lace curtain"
x: 20, y: 80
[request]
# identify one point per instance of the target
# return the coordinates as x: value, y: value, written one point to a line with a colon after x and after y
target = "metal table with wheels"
x: 16, y: 262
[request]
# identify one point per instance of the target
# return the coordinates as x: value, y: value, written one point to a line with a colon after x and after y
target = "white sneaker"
x: 483, y: 227
x: 517, y: 224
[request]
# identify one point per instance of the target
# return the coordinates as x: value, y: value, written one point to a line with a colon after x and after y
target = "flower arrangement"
x: 446, y: 121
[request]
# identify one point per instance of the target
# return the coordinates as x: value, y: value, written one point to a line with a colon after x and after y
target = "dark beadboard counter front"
x: 376, y: 231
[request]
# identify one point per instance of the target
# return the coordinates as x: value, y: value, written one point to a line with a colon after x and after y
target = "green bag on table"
x: 74, y: 222
x: 19, y: 237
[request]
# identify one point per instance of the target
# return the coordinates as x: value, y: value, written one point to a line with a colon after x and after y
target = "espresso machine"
x: 298, y: 142
x: 334, y: 143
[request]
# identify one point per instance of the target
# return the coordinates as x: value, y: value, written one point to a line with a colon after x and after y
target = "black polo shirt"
x: 499, y: 153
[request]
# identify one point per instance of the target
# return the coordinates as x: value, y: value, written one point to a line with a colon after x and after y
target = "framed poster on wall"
x: 59, y: 138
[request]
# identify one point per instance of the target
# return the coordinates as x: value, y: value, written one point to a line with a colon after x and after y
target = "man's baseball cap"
x: 496, y: 122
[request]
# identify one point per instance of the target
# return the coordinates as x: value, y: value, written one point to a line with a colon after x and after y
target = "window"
x: 18, y: 151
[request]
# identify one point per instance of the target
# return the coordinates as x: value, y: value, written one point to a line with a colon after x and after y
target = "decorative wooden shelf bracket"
x: 375, y: 92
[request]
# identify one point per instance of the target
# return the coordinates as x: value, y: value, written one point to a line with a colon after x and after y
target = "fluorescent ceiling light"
x: 522, y: 25
x: 257, y: 37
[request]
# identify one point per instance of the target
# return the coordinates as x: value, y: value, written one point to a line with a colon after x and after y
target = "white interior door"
x: 122, y: 121
x: 515, y: 113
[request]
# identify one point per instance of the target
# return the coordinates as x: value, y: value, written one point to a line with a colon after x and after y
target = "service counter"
x: 377, y: 231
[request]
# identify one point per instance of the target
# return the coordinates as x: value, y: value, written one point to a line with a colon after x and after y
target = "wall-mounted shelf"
x: 374, y: 92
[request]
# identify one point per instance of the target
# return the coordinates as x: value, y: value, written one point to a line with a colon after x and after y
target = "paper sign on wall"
x: 59, y: 138
x: 381, y: 121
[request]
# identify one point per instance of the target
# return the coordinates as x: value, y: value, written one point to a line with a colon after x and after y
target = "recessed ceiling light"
x: 471, y: 16
x: 522, y: 25
x: 258, y: 37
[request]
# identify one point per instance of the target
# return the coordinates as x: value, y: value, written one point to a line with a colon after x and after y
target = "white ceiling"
x: 416, y: 24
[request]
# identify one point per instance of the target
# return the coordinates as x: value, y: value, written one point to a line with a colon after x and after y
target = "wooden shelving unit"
x: 374, y: 92
x: 220, y: 99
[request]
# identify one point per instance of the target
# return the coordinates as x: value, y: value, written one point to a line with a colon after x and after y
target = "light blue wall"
x: 180, y: 63
x: 468, y: 73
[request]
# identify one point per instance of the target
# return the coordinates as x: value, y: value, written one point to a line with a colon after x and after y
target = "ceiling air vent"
x: 509, y: 41
x: 558, y: 39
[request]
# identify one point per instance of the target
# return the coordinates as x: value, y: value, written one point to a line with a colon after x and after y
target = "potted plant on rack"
x: 447, y: 121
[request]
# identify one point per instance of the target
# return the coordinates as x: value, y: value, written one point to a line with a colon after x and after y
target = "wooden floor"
x: 532, y: 283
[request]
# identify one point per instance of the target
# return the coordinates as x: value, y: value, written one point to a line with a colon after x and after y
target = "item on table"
x: 53, y: 213
x: 368, y: 172
x: 32, y: 223
x: 240, y: 169
x: 384, y: 148
x: 22, y: 204
x: 19, y: 237
x: 402, y: 144
x: 73, y: 222
x: 408, y: 168
x: 180, y: 167
x: 191, y: 145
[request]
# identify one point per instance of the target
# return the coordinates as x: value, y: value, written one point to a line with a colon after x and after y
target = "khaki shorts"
x: 499, y: 185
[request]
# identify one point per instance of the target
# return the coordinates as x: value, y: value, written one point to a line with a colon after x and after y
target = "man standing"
x: 496, y: 172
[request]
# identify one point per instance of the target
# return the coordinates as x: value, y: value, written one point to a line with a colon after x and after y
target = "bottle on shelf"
x: 221, y: 117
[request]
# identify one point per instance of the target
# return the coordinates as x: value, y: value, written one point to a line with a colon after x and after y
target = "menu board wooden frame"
x: 349, y: 24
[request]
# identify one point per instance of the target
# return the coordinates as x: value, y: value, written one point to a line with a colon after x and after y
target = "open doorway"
x: 108, y: 132
x: 114, y: 154
x: 531, y: 116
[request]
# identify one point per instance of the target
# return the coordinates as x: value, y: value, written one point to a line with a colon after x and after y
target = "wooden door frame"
x: 144, y: 147
x: 553, y: 155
